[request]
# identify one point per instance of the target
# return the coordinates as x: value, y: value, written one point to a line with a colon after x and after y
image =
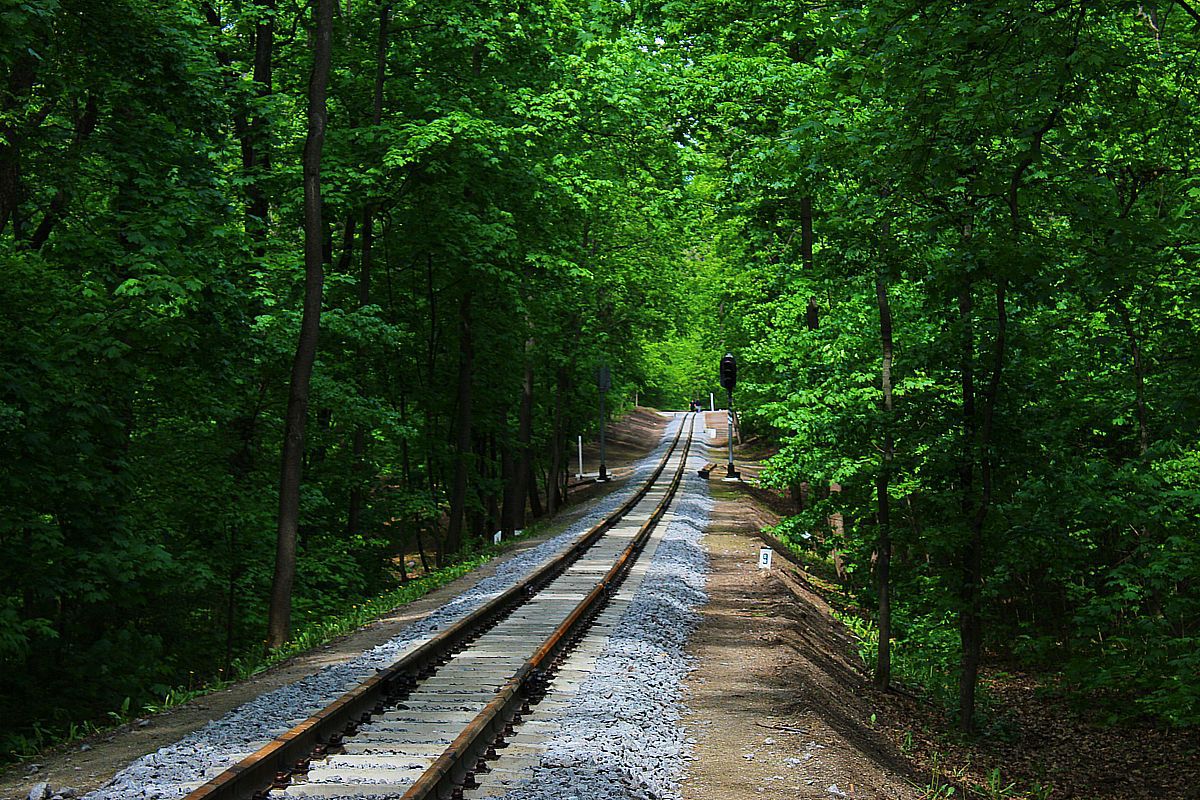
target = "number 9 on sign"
x: 764, y: 557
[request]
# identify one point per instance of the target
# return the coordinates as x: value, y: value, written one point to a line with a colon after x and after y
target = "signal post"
x: 728, y: 381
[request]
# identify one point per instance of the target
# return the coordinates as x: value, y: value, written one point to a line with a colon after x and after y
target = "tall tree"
x: 354, y: 514
x: 292, y: 456
x: 464, y: 419
x: 883, y: 548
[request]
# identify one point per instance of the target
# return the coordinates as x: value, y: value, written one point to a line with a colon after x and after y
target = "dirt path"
x: 86, y: 764
x: 779, y: 706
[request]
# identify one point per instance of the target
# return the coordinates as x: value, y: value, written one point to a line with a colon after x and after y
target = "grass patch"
x: 950, y: 783
x: 318, y: 632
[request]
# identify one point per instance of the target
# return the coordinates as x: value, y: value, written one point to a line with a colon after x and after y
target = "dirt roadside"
x: 86, y: 764
x: 779, y: 707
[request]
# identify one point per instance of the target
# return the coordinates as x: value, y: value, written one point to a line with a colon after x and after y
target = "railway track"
x: 439, y: 721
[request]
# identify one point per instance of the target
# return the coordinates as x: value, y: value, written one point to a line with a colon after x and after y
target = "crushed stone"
x: 622, y: 738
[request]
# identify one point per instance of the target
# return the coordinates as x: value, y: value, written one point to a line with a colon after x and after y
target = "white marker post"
x: 580, y: 474
x: 764, y: 557
x: 497, y: 536
x: 603, y: 383
x: 712, y: 403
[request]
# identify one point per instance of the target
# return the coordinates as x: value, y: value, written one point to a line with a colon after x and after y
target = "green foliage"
x: 152, y: 311
x: 924, y: 656
x: 310, y: 635
x: 569, y: 186
x: 950, y: 152
x: 946, y: 783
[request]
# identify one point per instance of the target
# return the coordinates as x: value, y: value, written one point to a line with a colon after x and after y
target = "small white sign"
x: 764, y: 557
x: 497, y: 536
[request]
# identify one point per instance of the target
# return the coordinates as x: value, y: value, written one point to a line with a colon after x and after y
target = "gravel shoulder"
x: 778, y: 705
x: 87, y: 764
x: 616, y: 733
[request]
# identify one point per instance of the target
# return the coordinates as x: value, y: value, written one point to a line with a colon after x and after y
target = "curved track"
x: 429, y: 724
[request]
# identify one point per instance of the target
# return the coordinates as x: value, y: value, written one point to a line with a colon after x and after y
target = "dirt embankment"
x: 625, y: 441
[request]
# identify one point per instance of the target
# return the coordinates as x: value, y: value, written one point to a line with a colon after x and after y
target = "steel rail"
x: 289, y: 753
x: 458, y: 764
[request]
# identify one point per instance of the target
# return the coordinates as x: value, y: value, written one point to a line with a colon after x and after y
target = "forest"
x: 297, y: 289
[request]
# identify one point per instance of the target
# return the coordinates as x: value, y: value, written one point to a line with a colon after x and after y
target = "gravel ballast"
x: 172, y: 771
x: 621, y: 737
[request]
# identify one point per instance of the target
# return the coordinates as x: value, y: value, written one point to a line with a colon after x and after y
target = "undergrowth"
x: 927, y: 664
x: 924, y: 660
x: 949, y: 783
x: 27, y: 745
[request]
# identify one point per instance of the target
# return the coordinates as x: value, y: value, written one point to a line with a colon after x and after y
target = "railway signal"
x: 728, y: 381
x: 603, y: 383
x: 729, y: 372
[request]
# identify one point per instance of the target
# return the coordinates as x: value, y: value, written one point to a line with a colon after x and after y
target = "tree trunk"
x: 535, y: 500
x: 493, y: 499
x: 968, y: 617
x: 385, y: 13
x: 1139, y: 378
x: 421, y: 550
x: 358, y: 475
x: 553, y: 498
x: 231, y: 598
x: 402, y: 546
x: 971, y: 626
x: 883, y: 547
x: 21, y: 79
x: 251, y: 129
x: 280, y: 612
x: 258, y: 208
x: 406, y: 522
x: 475, y: 512
x: 434, y: 468
x: 83, y: 129
x: 524, y: 436
x: 354, y: 515
x: 512, y: 498
x: 462, y: 456
x: 972, y: 637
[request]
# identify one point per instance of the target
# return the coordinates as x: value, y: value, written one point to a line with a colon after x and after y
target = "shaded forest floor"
x: 1040, y: 744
